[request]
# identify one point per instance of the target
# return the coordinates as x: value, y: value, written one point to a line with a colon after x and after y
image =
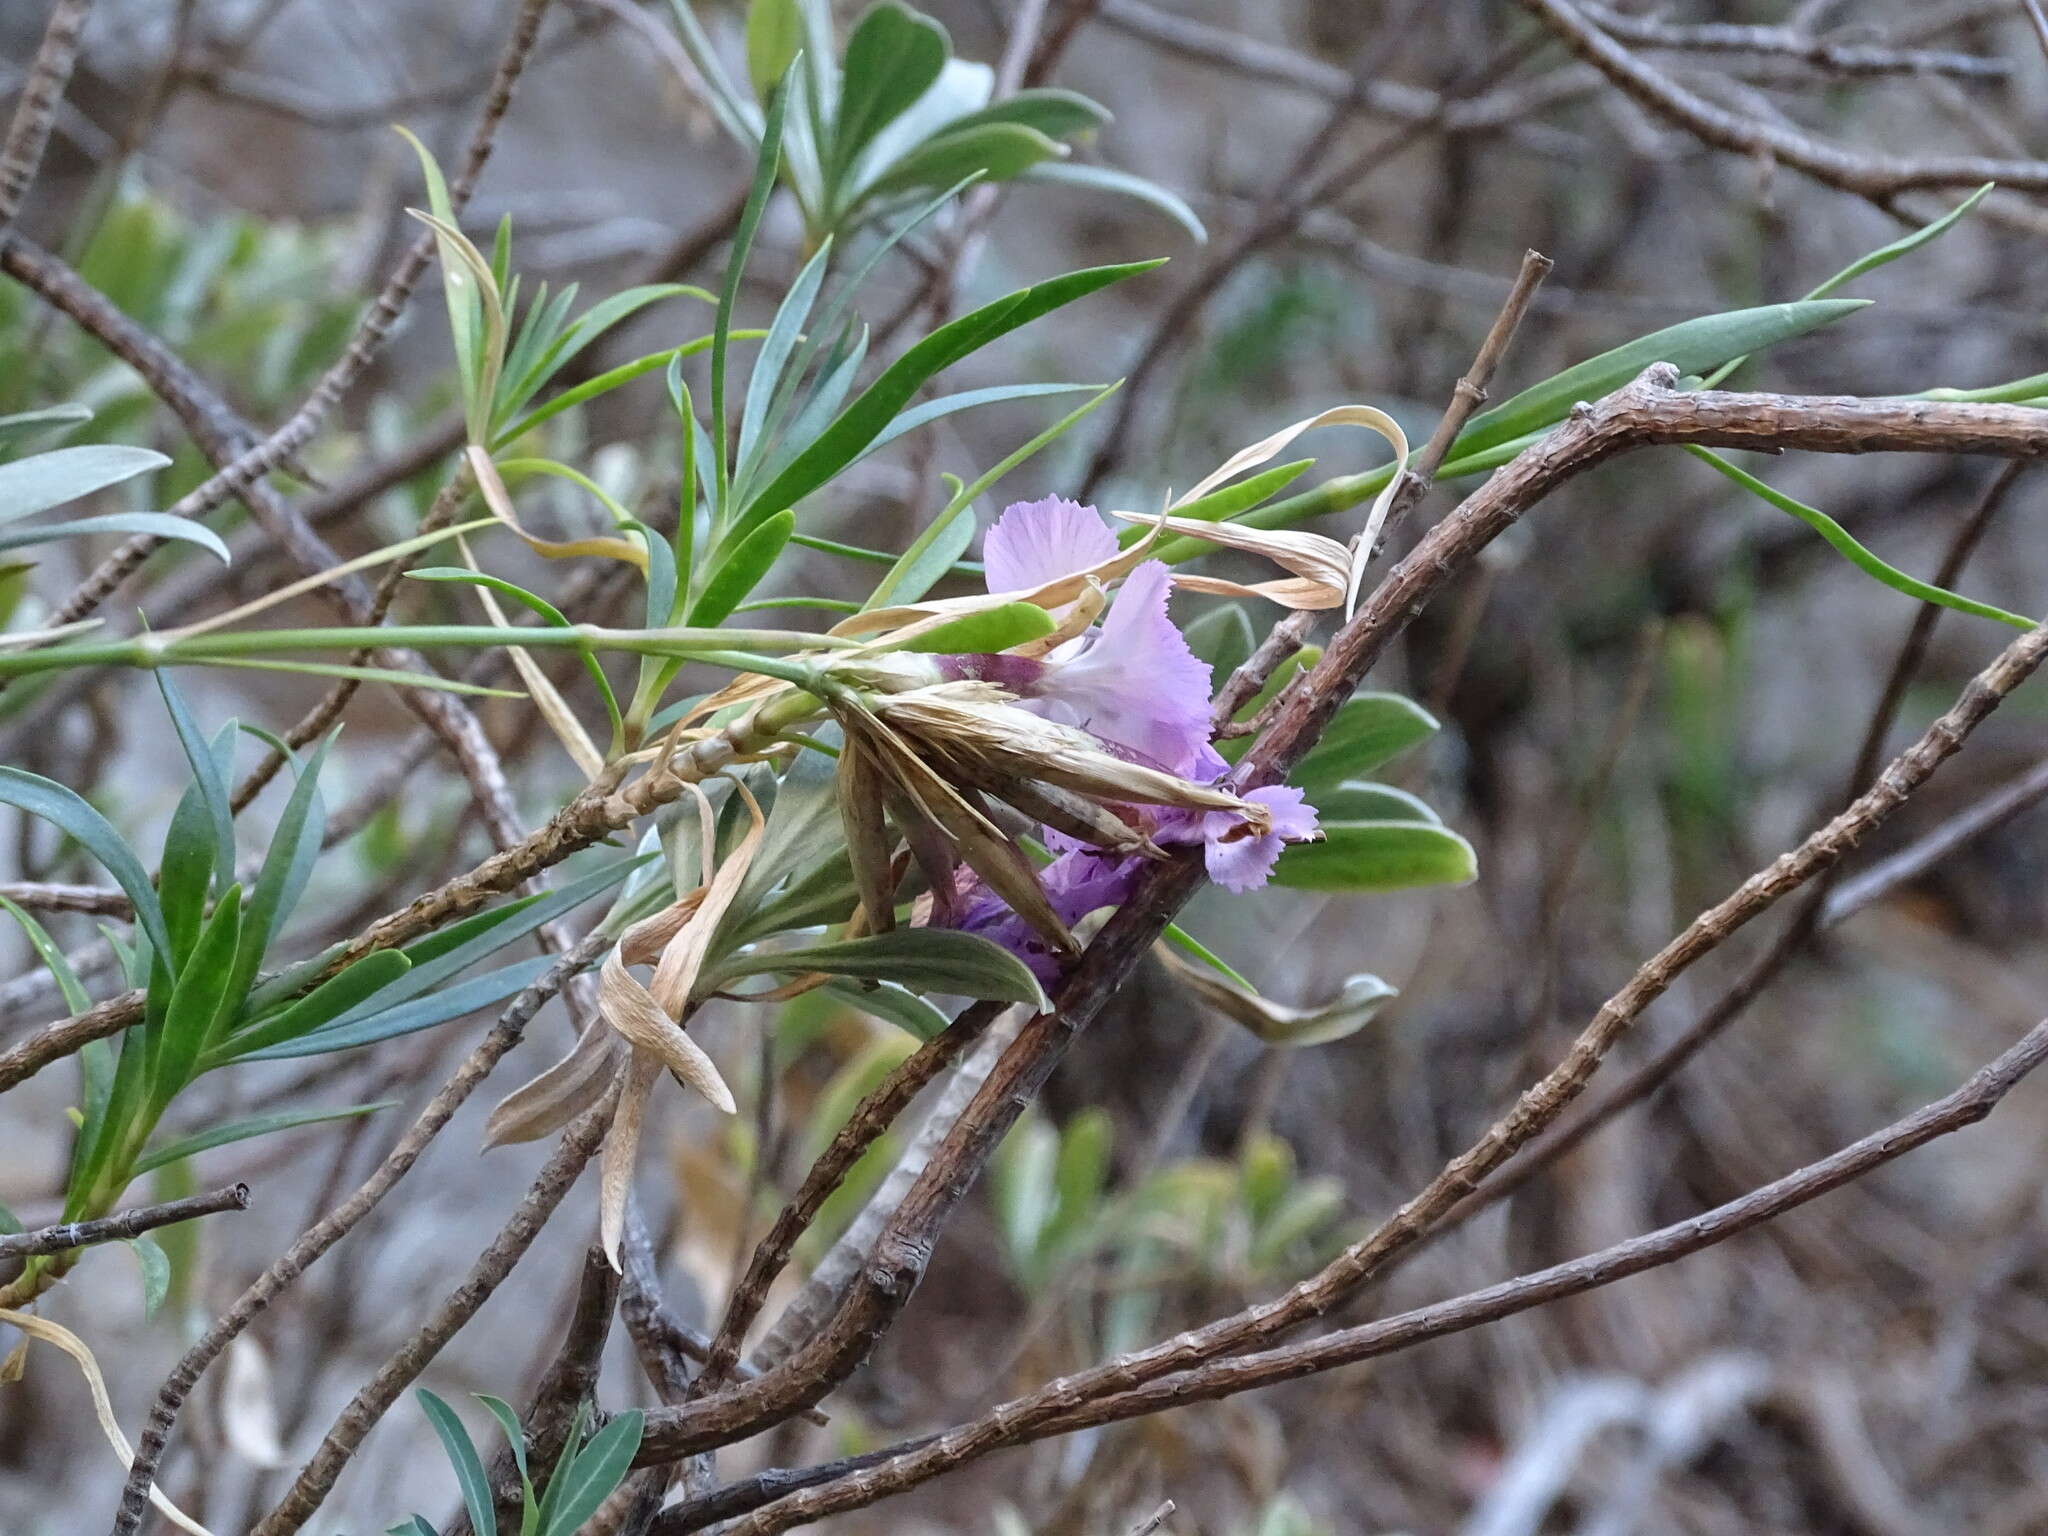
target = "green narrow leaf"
x: 937, y: 550
x: 1368, y: 730
x: 469, y: 1467
x: 508, y: 1421
x: 23, y: 425
x: 69, y: 813
x: 409, y: 1018
x: 892, y: 1003
x: 247, y: 1130
x: 764, y: 382
x: 735, y: 266
x: 1188, y: 944
x: 200, y: 1001
x: 45, y: 480
x: 327, y: 1002
x: 589, y: 1480
x: 1844, y: 544
x: 1104, y: 178
x: 1692, y: 346
x: 926, y: 959
x: 1870, y: 262
x: 736, y: 576
x: 156, y: 1273
x: 74, y: 993
x: 1220, y: 506
x: 986, y: 631
x: 1378, y: 856
x: 287, y: 866
x: 879, y: 403
x: 206, y: 775
x: 157, y: 524
x: 966, y: 400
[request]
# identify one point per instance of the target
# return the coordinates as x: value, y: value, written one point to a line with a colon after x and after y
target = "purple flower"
x: 1135, y: 685
x: 1132, y: 682
x: 1035, y: 542
x: 1240, y: 859
x: 1078, y: 882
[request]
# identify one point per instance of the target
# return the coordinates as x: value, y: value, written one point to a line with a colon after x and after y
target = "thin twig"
x: 578, y: 1144
x: 21, y: 154
x: 123, y: 1225
x: 1646, y: 411
x: 1966, y: 1106
x: 337, y: 1224
x: 248, y: 468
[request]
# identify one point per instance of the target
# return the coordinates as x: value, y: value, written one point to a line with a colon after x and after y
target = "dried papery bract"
x: 648, y: 1017
x: 1327, y: 573
x: 1321, y: 565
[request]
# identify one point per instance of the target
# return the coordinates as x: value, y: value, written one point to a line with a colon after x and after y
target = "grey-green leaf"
x: 1378, y: 856
x: 1692, y: 346
x: 924, y: 959
x: 47, y: 480
x: 70, y: 814
x: 469, y: 1467
x: 1368, y: 730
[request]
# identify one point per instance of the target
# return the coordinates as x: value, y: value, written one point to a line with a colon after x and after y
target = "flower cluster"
x: 1135, y: 688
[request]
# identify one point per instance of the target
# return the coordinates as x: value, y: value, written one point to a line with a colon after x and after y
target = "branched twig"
x: 123, y: 1225
x: 1817, y: 910
x: 249, y: 467
x: 330, y: 1229
x: 578, y: 1144
x: 1223, y: 1378
x: 1645, y: 412
x: 1876, y: 177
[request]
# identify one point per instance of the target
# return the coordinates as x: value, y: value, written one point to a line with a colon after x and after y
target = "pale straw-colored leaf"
x: 621, y: 1148
x: 1358, y: 1002
x: 1321, y: 565
x: 896, y: 625
x: 971, y: 723
x: 1373, y: 420
x: 499, y: 500
x: 102, y: 1406
x: 631, y: 1010
x: 299, y: 588
x: 547, y: 698
x: 558, y: 1095
x: 981, y: 844
x: 675, y: 975
x: 643, y: 943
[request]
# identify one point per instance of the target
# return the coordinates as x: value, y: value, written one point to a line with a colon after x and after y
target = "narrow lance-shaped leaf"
x: 469, y: 1467
x: 70, y: 814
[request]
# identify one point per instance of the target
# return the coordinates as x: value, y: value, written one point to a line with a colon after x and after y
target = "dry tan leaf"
x: 621, y: 1146
x: 631, y: 1010
x: 858, y: 787
x: 895, y: 625
x: 492, y: 485
x: 102, y: 1406
x: 1321, y: 565
x: 547, y: 698
x: 558, y: 1095
x: 675, y: 974
x: 982, y: 845
x: 643, y: 943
